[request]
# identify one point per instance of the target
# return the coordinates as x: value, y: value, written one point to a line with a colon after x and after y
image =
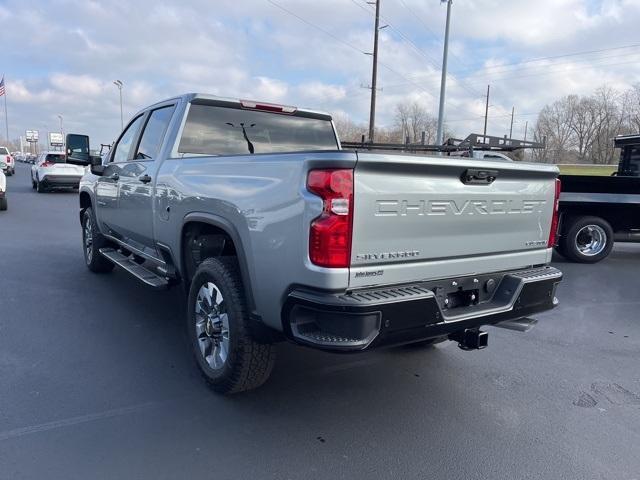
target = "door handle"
x: 114, y: 176
x: 475, y: 176
x: 144, y: 178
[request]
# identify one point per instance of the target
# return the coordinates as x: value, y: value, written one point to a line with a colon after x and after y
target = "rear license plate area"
x: 461, y: 298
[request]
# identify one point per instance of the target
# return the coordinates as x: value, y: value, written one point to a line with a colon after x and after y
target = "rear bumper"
x: 61, y: 180
x: 377, y: 317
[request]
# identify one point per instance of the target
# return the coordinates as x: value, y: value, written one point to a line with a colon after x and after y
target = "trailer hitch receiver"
x: 471, y: 339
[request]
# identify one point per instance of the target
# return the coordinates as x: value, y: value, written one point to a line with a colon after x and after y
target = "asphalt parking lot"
x: 96, y: 381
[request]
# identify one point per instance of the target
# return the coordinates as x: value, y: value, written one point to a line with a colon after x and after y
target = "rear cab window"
x: 222, y: 130
x: 4, y: 151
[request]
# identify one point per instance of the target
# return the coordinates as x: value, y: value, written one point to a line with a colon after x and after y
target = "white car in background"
x: 51, y: 170
x: 8, y: 160
x: 3, y: 188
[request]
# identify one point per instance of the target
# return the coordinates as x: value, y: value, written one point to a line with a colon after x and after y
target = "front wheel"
x: 586, y: 239
x: 228, y: 356
x: 92, y: 242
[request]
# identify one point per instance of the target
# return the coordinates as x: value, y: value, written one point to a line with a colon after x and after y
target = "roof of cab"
x: 189, y: 97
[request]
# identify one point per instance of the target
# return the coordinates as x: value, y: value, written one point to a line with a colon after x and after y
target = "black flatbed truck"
x: 597, y: 211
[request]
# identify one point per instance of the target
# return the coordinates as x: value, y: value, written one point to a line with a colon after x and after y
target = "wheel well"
x: 200, y: 241
x: 618, y: 218
x: 85, y: 202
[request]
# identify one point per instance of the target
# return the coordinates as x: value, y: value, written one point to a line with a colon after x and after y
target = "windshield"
x: 212, y: 130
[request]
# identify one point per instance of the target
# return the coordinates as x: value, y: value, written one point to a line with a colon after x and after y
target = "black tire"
x: 40, y: 188
x: 33, y: 184
x: 576, y: 233
x: 248, y: 363
x: 95, y: 262
x: 559, y: 248
x: 9, y: 173
x: 3, y: 204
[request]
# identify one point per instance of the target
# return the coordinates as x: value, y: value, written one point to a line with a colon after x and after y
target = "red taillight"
x: 553, y: 234
x: 330, y: 233
x: 46, y: 164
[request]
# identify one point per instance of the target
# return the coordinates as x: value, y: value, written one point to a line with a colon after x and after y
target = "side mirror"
x: 97, y: 168
x: 78, y: 149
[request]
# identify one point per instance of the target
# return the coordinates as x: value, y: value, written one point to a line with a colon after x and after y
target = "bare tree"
x: 630, y: 102
x: 348, y: 130
x: 607, y: 119
x: 583, y: 125
x: 412, y: 119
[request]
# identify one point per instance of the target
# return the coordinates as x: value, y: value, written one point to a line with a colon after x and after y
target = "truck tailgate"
x: 419, y: 218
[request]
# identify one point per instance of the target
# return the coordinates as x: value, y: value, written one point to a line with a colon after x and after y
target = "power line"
x: 553, y: 57
x: 431, y: 60
x: 347, y: 44
x: 563, y: 71
x: 530, y: 68
x: 326, y: 32
x: 427, y: 28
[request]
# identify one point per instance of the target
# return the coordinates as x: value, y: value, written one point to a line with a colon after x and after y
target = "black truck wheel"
x: 586, y: 239
x: 92, y: 241
x: 230, y: 359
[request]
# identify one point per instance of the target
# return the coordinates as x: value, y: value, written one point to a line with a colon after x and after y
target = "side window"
x: 154, y: 133
x: 122, y: 150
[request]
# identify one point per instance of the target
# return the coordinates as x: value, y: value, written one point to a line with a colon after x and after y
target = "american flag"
x: 2, y: 87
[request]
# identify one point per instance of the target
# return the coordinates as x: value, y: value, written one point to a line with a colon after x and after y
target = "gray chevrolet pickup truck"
x: 276, y: 233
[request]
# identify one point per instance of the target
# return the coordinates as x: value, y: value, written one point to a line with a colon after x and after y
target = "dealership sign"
x: 56, y: 139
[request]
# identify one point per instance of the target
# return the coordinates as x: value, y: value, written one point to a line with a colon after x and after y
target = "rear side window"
x: 212, y: 130
x: 4, y: 151
x: 53, y: 158
x: 154, y: 133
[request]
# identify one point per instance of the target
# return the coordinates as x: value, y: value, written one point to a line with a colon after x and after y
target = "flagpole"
x: 6, y: 115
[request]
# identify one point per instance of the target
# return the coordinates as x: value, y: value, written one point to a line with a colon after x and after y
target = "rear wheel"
x: 93, y: 241
x: 3, y: 204
x: 228, y: 356
x: 40, y: 188
x: 586, y: 239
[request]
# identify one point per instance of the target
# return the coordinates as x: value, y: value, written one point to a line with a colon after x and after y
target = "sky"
x: 60, y: 57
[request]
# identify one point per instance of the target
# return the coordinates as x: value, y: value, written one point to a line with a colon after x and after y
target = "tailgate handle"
x: 477, y: 176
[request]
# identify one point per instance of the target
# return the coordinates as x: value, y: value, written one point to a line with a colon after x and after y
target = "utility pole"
x: 443, y: 81
x: 513, y: 109
x: 119, y: 84
x: 526, y: 127
x: 374, y: 73
x: 486, y: 111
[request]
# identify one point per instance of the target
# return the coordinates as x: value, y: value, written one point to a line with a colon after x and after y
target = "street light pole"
x: 443, y: 81
x: 61, y: 131
x: 486, y: 111
x: 513, y: 110
x: 119, y: 84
